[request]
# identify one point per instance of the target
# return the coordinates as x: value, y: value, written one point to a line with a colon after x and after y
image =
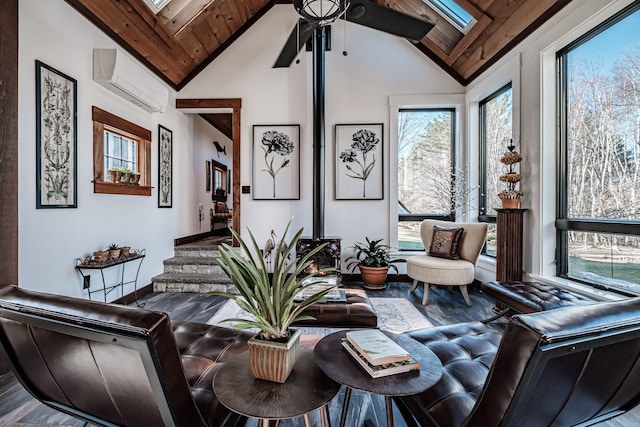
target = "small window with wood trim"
x: 121, y: 155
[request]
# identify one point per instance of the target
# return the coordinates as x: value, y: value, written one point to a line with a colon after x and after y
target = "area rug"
x: 394, y: 315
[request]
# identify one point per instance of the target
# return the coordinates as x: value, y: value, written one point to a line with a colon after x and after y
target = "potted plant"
x: 100, y: 256
x: 271, y: 300
x: 126, y: 176
x: 511, y: 196
x: 124, y: 250
x: 114, y: 250
x: 374, y: 260
x: 115, y: 174
x: 135, y: 178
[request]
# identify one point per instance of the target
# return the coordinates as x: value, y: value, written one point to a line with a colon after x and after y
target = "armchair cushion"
x: 445, y: 242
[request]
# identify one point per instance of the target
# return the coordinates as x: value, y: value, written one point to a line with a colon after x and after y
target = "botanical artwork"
x: 56, y: 101
x: 359, y: 162
x: 165, y: 167
x: 276, y: 162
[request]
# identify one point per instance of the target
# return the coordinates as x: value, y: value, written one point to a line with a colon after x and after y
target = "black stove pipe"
x: 318, y: 132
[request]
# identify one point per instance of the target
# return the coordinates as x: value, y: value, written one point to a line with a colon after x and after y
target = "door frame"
x: 236, y: 105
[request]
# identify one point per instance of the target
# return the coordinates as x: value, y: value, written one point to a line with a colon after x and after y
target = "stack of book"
x: 378, y: 354
x: 334, y: 295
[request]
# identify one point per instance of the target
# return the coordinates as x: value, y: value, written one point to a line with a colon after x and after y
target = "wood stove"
x: 328, y: 257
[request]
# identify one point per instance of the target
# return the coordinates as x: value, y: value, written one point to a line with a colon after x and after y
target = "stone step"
x: 192, y: 282
x: 192, y: 265
x: 196, y: 251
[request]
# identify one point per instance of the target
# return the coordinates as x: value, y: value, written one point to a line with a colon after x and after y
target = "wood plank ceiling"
x: 186, y: 35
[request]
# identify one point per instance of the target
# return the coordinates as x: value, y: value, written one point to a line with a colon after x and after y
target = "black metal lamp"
x: 322, y: 12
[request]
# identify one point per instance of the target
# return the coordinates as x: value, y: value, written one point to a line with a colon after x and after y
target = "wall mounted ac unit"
x: 124, y: 76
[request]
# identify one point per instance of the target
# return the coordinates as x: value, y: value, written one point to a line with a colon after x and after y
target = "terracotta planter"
x: 114, y: 253
x: 374, y: 277
x: 112, y: 176
x: 272, y: 360
x: 510, y: 203
x: 124, y: 251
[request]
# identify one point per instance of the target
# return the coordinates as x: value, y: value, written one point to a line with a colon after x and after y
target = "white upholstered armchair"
x: 451, y: 260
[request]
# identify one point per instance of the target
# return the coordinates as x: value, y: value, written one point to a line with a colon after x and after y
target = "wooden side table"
x: 509, y: 239
x: 339, y: 365
x: 306, y: 390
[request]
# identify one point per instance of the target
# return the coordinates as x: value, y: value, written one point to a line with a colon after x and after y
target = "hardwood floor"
x: 19, y: 409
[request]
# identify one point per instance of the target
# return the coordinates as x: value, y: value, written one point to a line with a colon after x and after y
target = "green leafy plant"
x: 372, y: 254
x: 269, y: 298
x: 113, y: 246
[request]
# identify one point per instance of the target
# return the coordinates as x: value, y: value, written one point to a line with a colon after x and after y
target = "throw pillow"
x: 445, y: 242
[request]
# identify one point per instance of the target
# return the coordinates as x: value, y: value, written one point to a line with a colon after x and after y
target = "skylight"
x: 453, y: 13
x: 156, y: 5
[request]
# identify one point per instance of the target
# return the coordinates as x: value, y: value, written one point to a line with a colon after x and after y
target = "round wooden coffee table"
x: 306, y: 390
x: 340, y: 366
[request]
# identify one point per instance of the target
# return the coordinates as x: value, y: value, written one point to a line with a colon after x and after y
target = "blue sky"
x: 611, y: 44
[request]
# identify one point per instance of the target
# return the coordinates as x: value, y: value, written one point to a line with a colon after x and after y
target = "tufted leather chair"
x: 563, y: 367
x: 531, y: 297
x: 115, y: 365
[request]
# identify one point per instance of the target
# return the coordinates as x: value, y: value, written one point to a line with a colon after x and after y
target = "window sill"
x: 113, y: 188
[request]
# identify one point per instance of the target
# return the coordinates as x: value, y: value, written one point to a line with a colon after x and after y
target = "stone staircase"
x: 194, y: 268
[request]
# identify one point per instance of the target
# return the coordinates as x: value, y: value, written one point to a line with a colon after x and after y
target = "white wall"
x: 50, y: 239
x: 357, y: 90
x: 203, y: 136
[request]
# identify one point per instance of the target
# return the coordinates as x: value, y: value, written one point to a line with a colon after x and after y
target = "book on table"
x: 376, y: 348
x: 334, y: 295
x: 377, y: 371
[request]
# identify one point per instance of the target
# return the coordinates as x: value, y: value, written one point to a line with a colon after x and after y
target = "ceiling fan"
x: 318, y: 13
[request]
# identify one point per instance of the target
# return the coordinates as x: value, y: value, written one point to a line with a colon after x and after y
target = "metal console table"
x: 88, y: 264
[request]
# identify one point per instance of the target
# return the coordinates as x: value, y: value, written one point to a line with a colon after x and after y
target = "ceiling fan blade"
x: 374, y: 15
x: 298, y: 38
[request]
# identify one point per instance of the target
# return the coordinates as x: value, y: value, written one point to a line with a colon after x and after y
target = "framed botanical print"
x: 359, y: 160
x: 165, y: 167
x: 56, y: 139
x: 276, y: 162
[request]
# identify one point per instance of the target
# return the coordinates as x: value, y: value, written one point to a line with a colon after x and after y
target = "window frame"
x: 483, y: 208
x: 564, y: 223
x: 103, y: 119
x: 454, y: 129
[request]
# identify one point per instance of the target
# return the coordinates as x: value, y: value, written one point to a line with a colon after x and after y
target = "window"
x: 118, y: 143
x: 452, y: 12
x: 598, y: 218
x: 426, y: 175
x: 496, y: 130
x: 119, y: 152
x: 156, y: 5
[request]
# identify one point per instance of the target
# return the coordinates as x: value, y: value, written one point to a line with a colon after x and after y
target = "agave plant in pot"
x: 374, y: 260
x: 271, y: 299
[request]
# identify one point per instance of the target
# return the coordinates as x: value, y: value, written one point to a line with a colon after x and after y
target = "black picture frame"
x: 56, y: 139
x: 165, y: 167
x: 276, y: 162
x: 359, y: 161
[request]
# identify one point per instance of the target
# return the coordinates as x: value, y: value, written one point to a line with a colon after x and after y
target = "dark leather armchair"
x: 570, y: 366
x: 114, y: 365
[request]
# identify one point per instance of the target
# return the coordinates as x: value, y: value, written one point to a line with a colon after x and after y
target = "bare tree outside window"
x: 602, y: 143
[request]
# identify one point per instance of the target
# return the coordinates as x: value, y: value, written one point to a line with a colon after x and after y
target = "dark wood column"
x: 8, y: 147
x: 509, y: 238
x: 9, y: 142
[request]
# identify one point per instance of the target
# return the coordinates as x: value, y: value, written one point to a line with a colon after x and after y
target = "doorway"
x: 223, y: 106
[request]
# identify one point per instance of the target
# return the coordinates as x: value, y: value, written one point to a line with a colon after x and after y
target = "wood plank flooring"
x: 19, y: 409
